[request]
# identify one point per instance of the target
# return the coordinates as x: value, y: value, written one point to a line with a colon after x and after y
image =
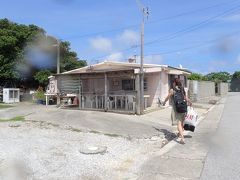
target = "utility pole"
x: 145, y: 13
x: 58, y: 56
x: 57, y: 45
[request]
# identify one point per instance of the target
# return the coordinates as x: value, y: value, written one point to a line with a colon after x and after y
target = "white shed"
x: 11, y: 95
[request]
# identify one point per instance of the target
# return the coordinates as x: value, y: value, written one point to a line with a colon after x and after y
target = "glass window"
x: 145, y: 85
x: 11, y: 94
x: 128, y: 84
x: 15, y: 94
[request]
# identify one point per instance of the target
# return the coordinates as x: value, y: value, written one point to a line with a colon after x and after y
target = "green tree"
x: 196, y: 76
x: 13, y: 38
x: 235, y: 81
x: 236, y: 75
x: 16, y: 39
x: 218, y: 76
x: 69, y: 59
x: 42, y: 77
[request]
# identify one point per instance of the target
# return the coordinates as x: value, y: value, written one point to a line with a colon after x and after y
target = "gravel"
x: 45, y: 151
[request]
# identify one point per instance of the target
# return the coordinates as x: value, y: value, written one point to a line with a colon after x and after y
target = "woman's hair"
x: 177, y: 82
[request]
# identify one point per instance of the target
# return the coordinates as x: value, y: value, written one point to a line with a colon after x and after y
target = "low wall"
x: 199, y: 90
x: 223, y: 88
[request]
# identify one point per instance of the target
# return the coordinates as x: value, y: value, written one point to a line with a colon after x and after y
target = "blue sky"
x: 99, y: 30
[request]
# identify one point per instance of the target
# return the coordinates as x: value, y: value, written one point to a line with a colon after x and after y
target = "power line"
x: 191, y: 12
x: 195, y: 46
x: 183, y: 31
x: 154, y: 21
x: 193, y: 27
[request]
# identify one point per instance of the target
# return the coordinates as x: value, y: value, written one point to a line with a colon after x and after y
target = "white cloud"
x: 129, y: 37
x: 101, y: 44
x: 153, y: 59
x: 114, y: 45
x: 118, y: 56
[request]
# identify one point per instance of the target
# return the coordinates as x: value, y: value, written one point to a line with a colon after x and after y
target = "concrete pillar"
x: 105, y: 92
x: 137, y: 86
x: 58, y: 99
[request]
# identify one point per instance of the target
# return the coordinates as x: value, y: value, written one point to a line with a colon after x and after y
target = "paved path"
x: 223, y: 158
x: 184, y: 161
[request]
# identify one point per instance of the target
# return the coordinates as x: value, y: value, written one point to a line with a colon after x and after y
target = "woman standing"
x: 178, y: 115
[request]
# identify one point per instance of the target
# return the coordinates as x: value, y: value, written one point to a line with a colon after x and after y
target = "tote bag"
x: 190, y: 120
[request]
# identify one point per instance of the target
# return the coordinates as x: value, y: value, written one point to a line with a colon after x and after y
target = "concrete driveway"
x: 152, y: 124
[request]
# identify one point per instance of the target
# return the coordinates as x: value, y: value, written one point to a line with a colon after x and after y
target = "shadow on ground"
x: 167, y: 134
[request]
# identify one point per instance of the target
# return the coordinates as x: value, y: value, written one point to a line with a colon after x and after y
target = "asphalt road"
x: 223, y: 159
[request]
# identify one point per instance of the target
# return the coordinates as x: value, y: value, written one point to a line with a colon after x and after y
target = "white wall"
x: 164, y: 86
x: 153, y: 88
x: 7, y: 97
x: 158, y: 87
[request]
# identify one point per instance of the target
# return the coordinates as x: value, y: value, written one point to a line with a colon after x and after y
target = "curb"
x: 173, y: 142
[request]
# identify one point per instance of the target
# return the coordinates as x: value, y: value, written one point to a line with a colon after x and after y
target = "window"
x: 11, y: 94
x: 145, y: 85
x: 15, y: 94
x: 185, y: 81
x: 128, y: 84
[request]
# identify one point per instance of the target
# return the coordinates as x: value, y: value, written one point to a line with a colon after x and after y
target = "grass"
x: 14, y: 119
x: 2, y: 106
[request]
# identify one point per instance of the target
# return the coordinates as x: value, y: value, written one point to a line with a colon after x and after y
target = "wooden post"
x: 105, y: 92
x: 46, y: 100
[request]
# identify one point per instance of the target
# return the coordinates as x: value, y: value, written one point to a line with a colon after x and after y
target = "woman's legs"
x: 180, y: 130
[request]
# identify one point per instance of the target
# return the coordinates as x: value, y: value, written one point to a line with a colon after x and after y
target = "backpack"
x: 179, y: 101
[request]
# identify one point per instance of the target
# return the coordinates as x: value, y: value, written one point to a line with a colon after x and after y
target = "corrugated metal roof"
x: 109, y: 66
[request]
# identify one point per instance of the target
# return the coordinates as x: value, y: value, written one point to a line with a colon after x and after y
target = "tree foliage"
x: 15, y: 40
x: 236, y: 75
x: 235, y: 81
x: 42, y: 77
x: 197, y: 77
x: 69, y: 59
x: 214, y: 76
x: 218, y: 76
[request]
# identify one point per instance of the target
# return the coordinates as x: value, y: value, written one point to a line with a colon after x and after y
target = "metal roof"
x: 108, y: 66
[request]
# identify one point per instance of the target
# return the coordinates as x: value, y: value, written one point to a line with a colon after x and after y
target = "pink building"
x: 114, y: 86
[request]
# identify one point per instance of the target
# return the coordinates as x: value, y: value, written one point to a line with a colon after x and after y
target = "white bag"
x: 190, y: 119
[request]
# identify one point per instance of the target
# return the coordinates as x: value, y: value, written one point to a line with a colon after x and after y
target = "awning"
x: 149, y: 70
x: 178, y: 72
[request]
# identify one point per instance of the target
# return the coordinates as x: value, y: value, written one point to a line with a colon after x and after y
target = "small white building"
x: 11, y: 95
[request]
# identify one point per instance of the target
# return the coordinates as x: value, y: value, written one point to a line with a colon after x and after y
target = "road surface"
x: 222, y: 161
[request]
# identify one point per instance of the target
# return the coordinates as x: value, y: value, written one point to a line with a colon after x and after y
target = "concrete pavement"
x: 223, y: 158
x: 156, y: 123
x: 184, y: 161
